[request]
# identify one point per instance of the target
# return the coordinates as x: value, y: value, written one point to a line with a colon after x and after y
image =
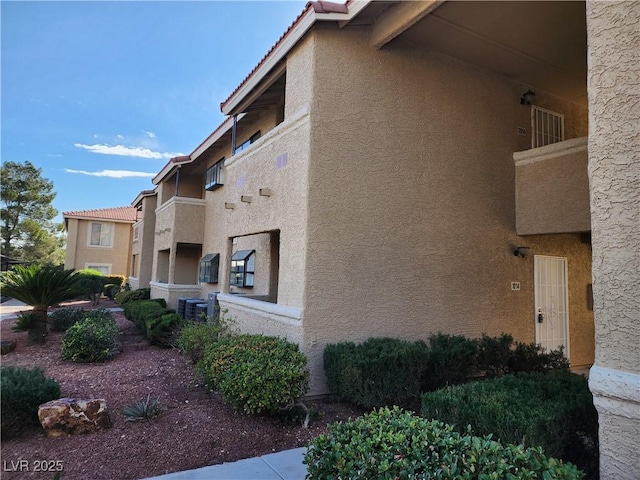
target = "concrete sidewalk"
x: 11, y: 308
x: 286, y: 465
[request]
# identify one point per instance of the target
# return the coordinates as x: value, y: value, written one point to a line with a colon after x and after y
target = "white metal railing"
x: 547, y: 127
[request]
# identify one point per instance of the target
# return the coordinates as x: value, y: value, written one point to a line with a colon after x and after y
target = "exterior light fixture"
x: 527, y: 97
x: 520, y: 252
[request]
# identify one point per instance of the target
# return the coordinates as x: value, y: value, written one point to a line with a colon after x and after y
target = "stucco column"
x: 613, y: 30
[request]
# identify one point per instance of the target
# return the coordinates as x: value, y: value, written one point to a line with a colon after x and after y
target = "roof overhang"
x: 171, y: 166
x: 270, y: 67
x: 145, y: 193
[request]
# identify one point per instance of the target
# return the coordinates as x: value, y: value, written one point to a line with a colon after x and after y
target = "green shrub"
x: 91, y: 340
x: 163, y: 330
x: 25, y: 322
x: 380, y: 371
x: 118, y: 280
x: 499, y: 356
x: 91, y: 283
x: 130, y: 295
x: 61, y: 319
x: 196, y: 337
x: 110, y: 290
x: 143, y: 409
x: 553, y: 410
x: 256, y: 373
x: 395, y: 444
x: 160, y: 301
x: 451, y: 361
x: 22, y: 391
x: 140, y: 311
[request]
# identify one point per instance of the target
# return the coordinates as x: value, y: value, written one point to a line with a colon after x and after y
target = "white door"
x: 551, y: 313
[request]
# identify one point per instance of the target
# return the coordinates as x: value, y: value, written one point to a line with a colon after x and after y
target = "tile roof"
x: 118, y: 214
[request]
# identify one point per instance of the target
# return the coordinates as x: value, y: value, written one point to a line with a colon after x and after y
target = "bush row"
x: 553, y: 410
x: 93, y: 284
x: 396, y: 444
x: 160, y: 325
x: 256, y: 374
x: 386, y: 371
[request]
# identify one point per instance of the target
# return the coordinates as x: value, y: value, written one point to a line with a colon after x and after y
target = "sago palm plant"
x: 41, y: 287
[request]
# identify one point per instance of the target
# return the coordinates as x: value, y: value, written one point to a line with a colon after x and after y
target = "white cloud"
x: 149, y: 134
x: 124, y: 151
x: 119, y: 137
x: 112, y: 173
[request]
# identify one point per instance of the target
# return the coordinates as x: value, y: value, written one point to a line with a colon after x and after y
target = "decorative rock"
x: 7, y: 346
x: 68, y: 416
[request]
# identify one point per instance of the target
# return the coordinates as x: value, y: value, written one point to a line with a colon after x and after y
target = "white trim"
x: 567, y: 147
x: 279, y: 313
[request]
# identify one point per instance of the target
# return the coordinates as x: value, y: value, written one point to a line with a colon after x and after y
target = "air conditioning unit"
x: 190, y: 308
x: 182, y: 306
x: 213, y: 307
x: 201, y: 312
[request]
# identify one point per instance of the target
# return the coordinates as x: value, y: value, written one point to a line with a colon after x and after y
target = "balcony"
x: 180, y: 220
x: 552, y: 189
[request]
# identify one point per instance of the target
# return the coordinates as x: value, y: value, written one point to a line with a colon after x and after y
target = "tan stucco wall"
x: 262, y: 245
x: 79, y: 253
x: 552, y: 189
x: 411, y: 200
x: 144, y: 246
x: 614, y: 173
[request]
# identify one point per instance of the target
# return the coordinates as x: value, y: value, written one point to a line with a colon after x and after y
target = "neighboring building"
x: 386, y: 170
x: 100, y: 239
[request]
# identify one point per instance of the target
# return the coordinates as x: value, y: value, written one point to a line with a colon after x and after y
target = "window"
x: 209, y: 268
x: 243, y: 264
x: 100, y: 234
x: 213, y: 177
x: 136, y: 233
x: 254, y: 138
x: 547, y: 127
x: 103, y: 268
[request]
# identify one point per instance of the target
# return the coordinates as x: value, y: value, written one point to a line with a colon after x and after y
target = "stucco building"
x: 403, y: 168
x: 100, y: 239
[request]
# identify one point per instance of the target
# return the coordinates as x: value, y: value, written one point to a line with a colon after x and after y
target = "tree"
x: 41, y: 286
x: 28, y: 231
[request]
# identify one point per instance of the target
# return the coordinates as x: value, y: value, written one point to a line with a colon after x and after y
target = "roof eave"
x: 302, y: 25
x: 171, y: 165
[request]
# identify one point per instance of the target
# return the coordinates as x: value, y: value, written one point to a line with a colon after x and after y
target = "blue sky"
x: 100, y: 95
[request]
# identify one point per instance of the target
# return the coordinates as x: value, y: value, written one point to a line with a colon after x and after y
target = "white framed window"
x: 101, y: 234
x: 103, y: 268
x: 243, y: 266
x: 213, y: 177
x: 547, y: 127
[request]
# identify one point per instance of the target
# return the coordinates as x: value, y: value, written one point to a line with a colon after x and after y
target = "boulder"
x: 68, y: 416
x: 7, y: 346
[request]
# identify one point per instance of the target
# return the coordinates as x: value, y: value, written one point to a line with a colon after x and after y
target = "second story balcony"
x: 552, y: 189
x: 180, y: 220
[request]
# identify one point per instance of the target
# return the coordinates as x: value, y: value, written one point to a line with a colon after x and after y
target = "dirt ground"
x: 197, y: 429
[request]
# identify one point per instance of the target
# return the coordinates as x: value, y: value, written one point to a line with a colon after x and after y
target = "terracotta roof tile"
x: 119, y: 214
